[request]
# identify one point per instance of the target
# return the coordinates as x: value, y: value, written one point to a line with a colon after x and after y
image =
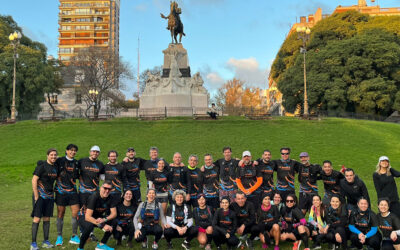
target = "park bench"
x: 50, y: 118
x: 202, y: 116
x: 100, y: 117
x: 152, y: 116
x: 259, y: 116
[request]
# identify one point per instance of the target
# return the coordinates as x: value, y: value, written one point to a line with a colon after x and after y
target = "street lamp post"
x: 304, y: 35
x: 14, y: 39
x: 93, y: 94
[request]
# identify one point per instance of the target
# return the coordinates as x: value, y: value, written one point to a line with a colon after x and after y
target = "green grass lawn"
x: 353, y: 143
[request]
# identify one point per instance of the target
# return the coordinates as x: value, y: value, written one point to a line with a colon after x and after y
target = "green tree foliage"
x: 353, y: 64
x: 35, y: 74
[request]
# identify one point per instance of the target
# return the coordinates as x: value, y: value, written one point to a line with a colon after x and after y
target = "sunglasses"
x: 289, y: 201
x: 107, y: 189
x: 285, y: 153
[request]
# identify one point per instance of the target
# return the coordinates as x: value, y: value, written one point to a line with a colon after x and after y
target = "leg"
x: 46, y: 228
x: 191, y: 233
x: 158, y: 231
x: 74, y: 216
x: 143, y: 234
x: 233, y: 241
x: 60, y: 219
x: 374, y: 241
x: 218, y: 238
x: 106, y: 236
x: 276, y: 233
x: 170, y: 233
x: 86, y: 228
x: 355, y: 241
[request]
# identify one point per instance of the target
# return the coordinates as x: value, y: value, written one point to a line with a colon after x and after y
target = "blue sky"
x: 225, y: 38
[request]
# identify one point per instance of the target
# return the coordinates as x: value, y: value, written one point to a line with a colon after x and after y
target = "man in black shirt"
x: 286, y: 169
x: 266, y: 171
x: 132, y: 166
x: 66, y: 193
x: 308, y: 175
x: 177, y: 175
x: 246, y: 219
x: 353, y: 188
x: 101, y: 212
x: 227, y: 171
x: 331, y: 179
x: 115, y: 173
x: 43, y: 197
x: 194, y: 186
x: 210, y: 181
x: 151, y: 165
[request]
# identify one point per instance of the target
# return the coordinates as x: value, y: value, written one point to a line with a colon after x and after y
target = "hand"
x: 393, y: 236
x: 126, y: 159
x: 240, y: 163
x: 338, y: 238
x: 119, y: 229
x: 107, y: 228
x: 255, y: 163
x: 227, y: 235
x: 241, y: 229
x: 137, y: 234
x: 36, y: 197
x: 202, y: 169
x: 181, y: 165
x: 188, y: 197
x: 167, y: 226
x: 99, y: 220
x: 184, y: 229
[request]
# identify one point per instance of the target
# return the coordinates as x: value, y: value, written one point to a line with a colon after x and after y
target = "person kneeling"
x: 147, y: 218
x: 179, y: 221
x: 224, y: 226
x: 99, y: 204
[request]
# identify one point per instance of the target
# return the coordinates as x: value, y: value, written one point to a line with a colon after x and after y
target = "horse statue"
x: 175, y: 25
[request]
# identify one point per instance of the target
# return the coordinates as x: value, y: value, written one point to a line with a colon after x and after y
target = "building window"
x: 78, y: 97
x: 65, y: 50
x: 53, y: 99
x: 65, y: 27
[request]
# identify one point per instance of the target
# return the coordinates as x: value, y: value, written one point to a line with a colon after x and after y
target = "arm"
x: 353, y: 229
x: 215, y: 224
x: 170, y: 223
x: 394, y: 172
x: 256, y: 185
x: 136, y: 222
x: 162, y: 216
x: 35, y: 179
x: 377, y: 184
x: 371, y: 232
x: 89, y: 217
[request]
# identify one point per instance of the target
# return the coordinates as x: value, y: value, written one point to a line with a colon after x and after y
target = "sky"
x: 224, y: 38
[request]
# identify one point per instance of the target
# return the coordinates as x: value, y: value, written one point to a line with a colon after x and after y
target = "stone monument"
x: 175, y: 88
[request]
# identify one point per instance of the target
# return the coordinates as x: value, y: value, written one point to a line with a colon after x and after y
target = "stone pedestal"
x: 178, y: 52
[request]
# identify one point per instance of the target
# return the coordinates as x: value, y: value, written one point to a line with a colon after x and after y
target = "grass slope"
x: 354, y: 143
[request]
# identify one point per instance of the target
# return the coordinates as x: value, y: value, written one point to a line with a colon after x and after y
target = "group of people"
x: 228, y: 201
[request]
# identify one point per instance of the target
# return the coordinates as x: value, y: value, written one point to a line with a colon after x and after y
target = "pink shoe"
x: 264, y: 246
x: 276, y: 248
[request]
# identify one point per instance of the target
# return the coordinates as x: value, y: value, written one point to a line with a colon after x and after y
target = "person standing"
x: 331, y: 179
x: 266, y: 169
x: 227, y: 170
x: 132, y: 166
x: 210, y: 181
x: 178, y: 176
x: 286, y: 169
x: 308, y: 175
x: 353, y: 188
x: 385, y: 184
x: 159, y: 181
x: 43, y: 197
x: 193, y: 181
x: 115, y: 173
x: 151, y: 164
x: 100, y: 212
x: 66, y: 193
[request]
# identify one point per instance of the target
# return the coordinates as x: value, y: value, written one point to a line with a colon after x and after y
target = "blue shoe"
x: 47, y: 244
x: 59, y: 240
x: 34, y: 246
x: 75, y: 240
x: 103, y: 247
x: 80, y: 249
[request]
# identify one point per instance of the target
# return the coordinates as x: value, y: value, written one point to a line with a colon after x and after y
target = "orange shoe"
x: 296, y: 245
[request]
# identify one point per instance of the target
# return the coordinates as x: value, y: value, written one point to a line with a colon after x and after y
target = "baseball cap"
x: 383, y: 158
x: 95, y: 148
x: 246, y: 153
x: 303, y: 154
x: 130, y: 149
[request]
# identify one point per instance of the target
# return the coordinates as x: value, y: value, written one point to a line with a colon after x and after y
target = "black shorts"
x: 83, y: 198
x: 42, y: 207
x: 64, y: 200
x: 305, y: 200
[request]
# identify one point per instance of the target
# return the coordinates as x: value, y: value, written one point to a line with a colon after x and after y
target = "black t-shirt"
x: 203, y: 217
x: 116, y: 174
x: 388, y: 224
x: 271, y: 216
x: 89, y: 175
x: 308, y: 176
x: 47, y: 175
x: 248, y: 175
x: 177, y: 178
x: 363, y: 221
x: 160, y: 180
x: 286, y: 171
x: 177, y: 213
x: 245, y: 214
x: 194, y: 182
x: 210, y: 180
x: 151, y: 165
x: 132, y: 169
x: 266, y: 171
x: 68, y: 173
x: 101, y: 207
x: 225, y: 221
x: 336, y: 217
x: 332, y: 182
x: 292, y: 215
x: 227, y: 172
x: 125, y: 213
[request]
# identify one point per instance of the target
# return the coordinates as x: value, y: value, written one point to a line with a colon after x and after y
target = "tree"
x: 251, y: 98
x: 100, y: 74
x: 52, y: 76
x: 234, y: 91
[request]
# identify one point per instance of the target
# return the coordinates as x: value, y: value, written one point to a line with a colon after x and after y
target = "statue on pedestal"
x: 175, y: 25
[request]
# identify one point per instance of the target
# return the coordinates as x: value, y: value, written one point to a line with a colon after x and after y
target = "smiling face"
x: 285, y: 154
x: 266, y: 201
x: 112, y: 157
x: 193, y: 162
x: 266, y: 156
x: 153, y: 154
x: 131, y: 154
x: 277, y: 199
x: 304, y: 159
x: 161, y: 165
x: 290, y: 202
x: 224, y: 204
x: 240, y: 199
x: 384, y: 164
x: 105, y: 190
x: 201, y: 201
x: 349, y: 175
x: 208, y: 160
x: 316, y: 201
x: 179, y: 199
x: 94, y: 155
x: 151, y: 195
x: 363, y: 205
x: 177, y: 159
x: 128, y: 195
x: 227, y: 154
x: 71, y: 153
x: 335, y: 202
x: 327, y: 168
x: 52, y: 157
x: 383, y: 206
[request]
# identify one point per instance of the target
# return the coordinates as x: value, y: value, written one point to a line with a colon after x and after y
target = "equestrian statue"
x: 175, y: 25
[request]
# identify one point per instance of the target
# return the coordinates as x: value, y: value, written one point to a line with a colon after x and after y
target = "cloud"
x: 141, y: 7
x: 248, y: 70
x: 214, y: 78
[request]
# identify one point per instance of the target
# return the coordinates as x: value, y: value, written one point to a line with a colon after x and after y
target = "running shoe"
x: 276, y: 247
x: 186, y: 245
x: 93, y: 237
x: 154, y: 246
x: 47, y: 244
x: 101, y: 246
x: 169, y: 246
x: 80, y: 249
x: 59, y: 240
x: 264, y: 246
x: 34, y: 246
x: 144, y: 243
x: 75, y: 240
x: 208, y: 247
x: 296, y: 245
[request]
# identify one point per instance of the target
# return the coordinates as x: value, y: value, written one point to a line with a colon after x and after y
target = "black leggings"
x: 331, y: 238
x: 127, y: 229
x: 171, y: 233
x: 373, y: 241
x: 254, y: 230
x: 88, y: 227
x: 220, y: 239
x: 155, y: 230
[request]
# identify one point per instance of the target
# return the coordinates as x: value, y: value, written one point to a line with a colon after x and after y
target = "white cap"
x: 95, y: 148
x: 383, y: 158
x: 246, y: 153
